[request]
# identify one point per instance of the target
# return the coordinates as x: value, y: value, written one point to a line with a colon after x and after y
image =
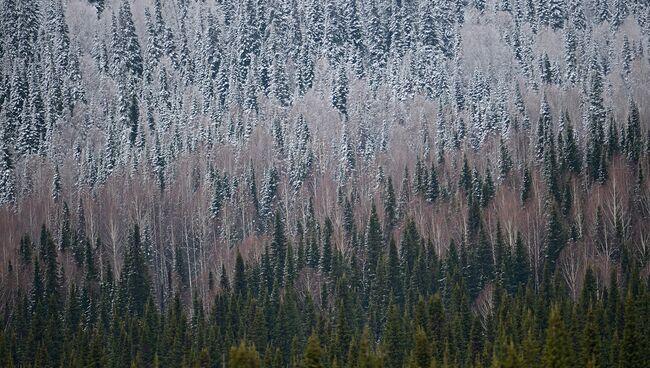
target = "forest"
x: 337, y: 183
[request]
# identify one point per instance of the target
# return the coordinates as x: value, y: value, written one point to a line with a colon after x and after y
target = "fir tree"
x: 505, y: 160
x: 326, y: 256
x: 526, y: 185
x: 374, y: 240
x: 7, y: 175
x: 134, y: 286
x: 557, y: 351
x: 244, y: 356
x: 340, y: 92
x: 313, y: 357
x: 279, y: 248
x: 433, y: 187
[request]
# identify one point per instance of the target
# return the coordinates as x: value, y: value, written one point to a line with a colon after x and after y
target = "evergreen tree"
x: 526, y: 185
x: 433, y: 187
x: 244, y: 356
x: 393, y: 343
x: 505, y: 160
x: 571, y: 156
x: 633, y: 137
x: 279, y: 249
x: 596, y: 122
x: 7, y: 175
x: 555, y: 239
x: 240, y: 285
x: 134, y: 285
x: 631, y: 350
x: 557, y: 347
x: 56, y: 184
x: 340, y: 91
x: 465, y: 176
x: 25, y: 249
x: 326, y: 257
x: 313, y: 357
x: 374, y: 240
x: 390, y: 205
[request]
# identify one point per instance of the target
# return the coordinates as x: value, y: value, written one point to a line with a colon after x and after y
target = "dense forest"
x: 339, y: 183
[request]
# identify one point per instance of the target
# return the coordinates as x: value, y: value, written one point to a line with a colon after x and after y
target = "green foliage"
x: 313, y: 357
x: 476, y: 305
x: 134, y: 288
x: 244, y: 356
x: 557, y: 347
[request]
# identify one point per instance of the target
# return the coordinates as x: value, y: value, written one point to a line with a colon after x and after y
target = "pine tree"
x: 56, y: 184
x: 244, y: 356
x: 555, y: 239
x: 390, y: 204
x: 393, y: 341
x: 279, y: 248
x: 180, y: 266
x: 128, y: 52
x: 280, y: 86
x: 505, y: 160
x: 25, y: 249
x: 596, y: 122
x: 557, y: 347
x: 483, y: 264
x: 374, y: 240
x: 631, y: 350
x: 239, y: 284
x: 633, y: 137
x: 7, y: 175
x: 79, y: 239
x: 313, y: 357
x: 570, y: 57
x: 571, y: 156
x: 518, y: 266
x: 394, y: 273
x: 340, y: 91
x: 433, y: 187
x: 626, y: 56
x: 465, y: 176
x: 326, y: 257
x: 269, y: 194
x: 421, y: 355
x: 67, y: 236
x: 89, y: 260
x: 488, y: 189
x: 216, y: 203
x: 556, y: 13
x: 526, y: 185
x: 159, y: 164
x: 134, y: 286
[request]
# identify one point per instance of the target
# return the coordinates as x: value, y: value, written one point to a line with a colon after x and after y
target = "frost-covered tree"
x: 56, y: 184
x: 7, y: 175
x: 340, y: 91
x: 269, y: 193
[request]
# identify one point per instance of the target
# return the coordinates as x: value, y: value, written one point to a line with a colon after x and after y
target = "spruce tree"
x: 313, y: 357
x: 244, y: 356
x: 526, y: 185
x: 326, y: 256
x: 390, y: 204
x: 557, y: 346
x: 7, y: 175
x: 555, y: 239
x: 505, y: 160
x: 393, y: 341
x: 134, y: 287
x: 374, y: 240
x: 433, y: 187
x: 279, y: 248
